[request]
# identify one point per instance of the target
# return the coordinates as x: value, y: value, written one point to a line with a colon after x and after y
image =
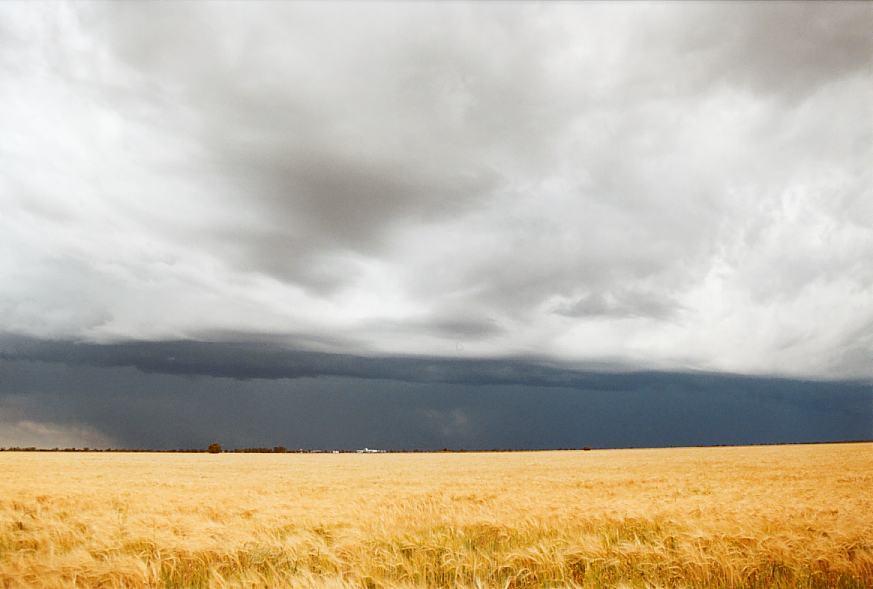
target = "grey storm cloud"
x: 265, y: 360
x: 659, y: 186
x: 188, y: 394
x: 621, y: 304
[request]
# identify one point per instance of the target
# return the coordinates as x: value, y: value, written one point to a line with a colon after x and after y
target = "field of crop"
x: 783, y: 516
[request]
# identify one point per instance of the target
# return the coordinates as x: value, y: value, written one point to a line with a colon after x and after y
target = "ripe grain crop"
x: 777, y: 516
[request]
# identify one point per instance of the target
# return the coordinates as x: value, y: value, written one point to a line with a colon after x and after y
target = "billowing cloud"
x: 656, y: 186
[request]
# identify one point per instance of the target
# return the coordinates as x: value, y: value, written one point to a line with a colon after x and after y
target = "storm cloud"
x: 186, y: 394
x: 669, y: 185
x: 564, y: 197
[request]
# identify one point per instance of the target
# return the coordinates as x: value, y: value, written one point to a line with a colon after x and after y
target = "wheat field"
x: 777, y: 516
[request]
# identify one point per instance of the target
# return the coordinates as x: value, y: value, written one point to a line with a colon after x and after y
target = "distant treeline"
x: 265, y: 450
x: 216, y: 448
x: 277, y: 449
x: 86, y: 449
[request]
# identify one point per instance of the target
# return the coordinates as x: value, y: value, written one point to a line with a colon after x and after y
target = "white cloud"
x: 590, y: 182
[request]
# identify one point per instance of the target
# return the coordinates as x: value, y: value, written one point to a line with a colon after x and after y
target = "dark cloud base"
x: 265, y: 360
x: 186, y: 394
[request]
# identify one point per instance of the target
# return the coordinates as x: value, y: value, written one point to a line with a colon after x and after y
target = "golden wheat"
x: 784, y: 516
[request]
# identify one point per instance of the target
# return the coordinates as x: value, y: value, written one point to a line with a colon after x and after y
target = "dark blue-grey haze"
x: 187, y: 394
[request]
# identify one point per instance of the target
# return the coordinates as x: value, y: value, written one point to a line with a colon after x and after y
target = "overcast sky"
x: 675, y: 187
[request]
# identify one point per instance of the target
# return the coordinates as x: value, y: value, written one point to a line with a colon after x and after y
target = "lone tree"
x: 214, y: 448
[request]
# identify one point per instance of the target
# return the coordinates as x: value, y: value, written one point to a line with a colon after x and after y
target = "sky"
x: 428, y: 225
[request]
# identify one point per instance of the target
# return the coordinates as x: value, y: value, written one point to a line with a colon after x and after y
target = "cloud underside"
x: 188, y: 394
x: 651, y: 185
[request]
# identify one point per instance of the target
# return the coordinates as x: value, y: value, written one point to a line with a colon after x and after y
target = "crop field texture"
x: 779, y: 516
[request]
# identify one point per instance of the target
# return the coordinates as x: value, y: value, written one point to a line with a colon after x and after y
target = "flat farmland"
x: 770, y: 516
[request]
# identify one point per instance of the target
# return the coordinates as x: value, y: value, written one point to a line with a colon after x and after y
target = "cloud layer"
x: 657, y: 186
x: 97, y: 398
